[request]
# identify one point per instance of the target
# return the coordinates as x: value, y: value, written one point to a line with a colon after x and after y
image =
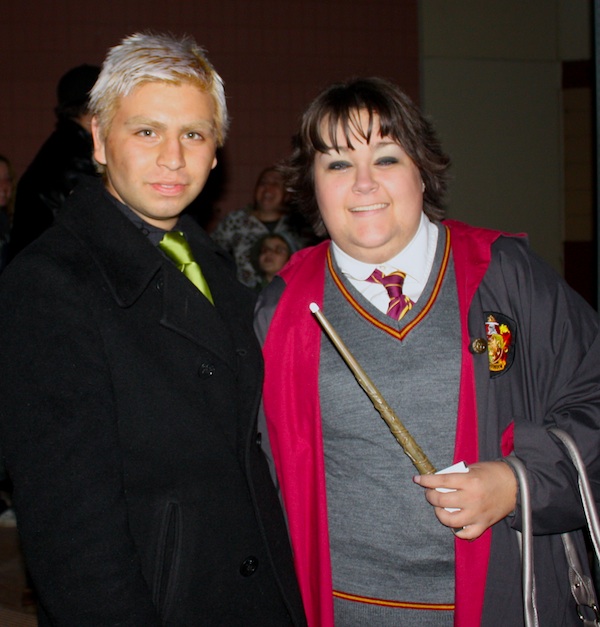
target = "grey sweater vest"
x: 386, y: 542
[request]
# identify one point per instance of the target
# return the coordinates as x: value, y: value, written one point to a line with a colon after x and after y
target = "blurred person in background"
x: 268, y: 256
x: 7, y: 197
x: 7, y: 205
x: 61, y: 161
x: 268, y: 213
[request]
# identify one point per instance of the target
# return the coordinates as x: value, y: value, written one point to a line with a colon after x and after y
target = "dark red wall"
x: 273, y: 55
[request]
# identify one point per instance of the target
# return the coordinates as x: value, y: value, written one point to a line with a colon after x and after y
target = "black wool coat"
x: 62, y: 161
x: 127, y: 423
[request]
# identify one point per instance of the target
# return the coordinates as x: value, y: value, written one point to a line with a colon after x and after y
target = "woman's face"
x: 270, y: 190
x: 370, y: 197
x: 6, y: 184
x: 274, y: 253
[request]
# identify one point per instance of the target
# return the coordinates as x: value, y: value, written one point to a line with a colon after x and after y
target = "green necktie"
x: 175, y: 246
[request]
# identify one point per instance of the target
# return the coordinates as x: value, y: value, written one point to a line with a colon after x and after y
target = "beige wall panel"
x: 575, y: 35
x: 499, y: 121
x: 490, y: 29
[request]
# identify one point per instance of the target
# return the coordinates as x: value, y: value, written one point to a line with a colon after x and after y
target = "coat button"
x: 206, y: 370
x: 478, y: 346
x: 259, y: 438
x: 159, y: 283
x: 249, y: 566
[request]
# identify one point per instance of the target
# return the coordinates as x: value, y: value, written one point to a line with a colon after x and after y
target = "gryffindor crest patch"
x: 501, y: 338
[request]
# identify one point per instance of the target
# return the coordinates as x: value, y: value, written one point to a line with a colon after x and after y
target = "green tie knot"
x: 177, y: 248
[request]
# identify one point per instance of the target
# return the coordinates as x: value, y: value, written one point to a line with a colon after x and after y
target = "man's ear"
x: 99, y: 142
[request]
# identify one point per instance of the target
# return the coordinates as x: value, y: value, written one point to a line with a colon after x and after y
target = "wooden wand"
x: 399, y: 431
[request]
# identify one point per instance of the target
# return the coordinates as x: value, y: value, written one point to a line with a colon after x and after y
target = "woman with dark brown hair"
x: 417, y: 299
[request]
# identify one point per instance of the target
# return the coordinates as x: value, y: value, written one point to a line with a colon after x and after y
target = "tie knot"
x: 393, y: 283
x: 176, y: 247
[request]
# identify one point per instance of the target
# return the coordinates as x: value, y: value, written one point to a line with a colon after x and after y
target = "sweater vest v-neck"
x: 386, y: 543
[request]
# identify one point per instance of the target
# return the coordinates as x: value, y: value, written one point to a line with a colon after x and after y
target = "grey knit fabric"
x: 385, y: 539
x: 363, y: 615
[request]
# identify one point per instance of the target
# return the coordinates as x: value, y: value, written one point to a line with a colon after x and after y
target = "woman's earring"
x: 423, y: 186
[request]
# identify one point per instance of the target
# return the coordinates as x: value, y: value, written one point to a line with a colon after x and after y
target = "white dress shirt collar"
x: 415, y: 260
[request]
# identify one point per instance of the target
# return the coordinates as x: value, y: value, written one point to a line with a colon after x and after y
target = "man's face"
x: 159, y: 149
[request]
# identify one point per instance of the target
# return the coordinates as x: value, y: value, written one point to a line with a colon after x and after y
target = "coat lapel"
x: 131, y: 264
x: 188, y: 312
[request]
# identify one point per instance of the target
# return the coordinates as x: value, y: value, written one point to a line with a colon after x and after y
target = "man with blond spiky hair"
x: 131, y: 377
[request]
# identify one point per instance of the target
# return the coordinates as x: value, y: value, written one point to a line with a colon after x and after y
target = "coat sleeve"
x: 554, y: 380
x: 263, y: 314
x: 60, y: 440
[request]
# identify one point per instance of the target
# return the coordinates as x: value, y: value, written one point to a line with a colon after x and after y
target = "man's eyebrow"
x: 142, y: 120
x: 137, y: 120
x: 202, y: 125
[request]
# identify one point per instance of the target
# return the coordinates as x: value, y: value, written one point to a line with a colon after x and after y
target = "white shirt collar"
x: 415, y: 259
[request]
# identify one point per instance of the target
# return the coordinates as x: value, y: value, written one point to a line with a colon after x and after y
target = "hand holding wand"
x: 399, y: 431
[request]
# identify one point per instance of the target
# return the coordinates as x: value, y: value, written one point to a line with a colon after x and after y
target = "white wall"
x: 491, y: 73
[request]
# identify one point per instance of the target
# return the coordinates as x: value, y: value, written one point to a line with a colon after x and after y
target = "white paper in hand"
x: 459, y: 467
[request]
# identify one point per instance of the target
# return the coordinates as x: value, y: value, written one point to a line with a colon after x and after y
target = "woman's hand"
x: 484, y: 495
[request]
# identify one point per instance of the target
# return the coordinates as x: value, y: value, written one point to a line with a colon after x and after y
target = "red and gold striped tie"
x: 393, y: 282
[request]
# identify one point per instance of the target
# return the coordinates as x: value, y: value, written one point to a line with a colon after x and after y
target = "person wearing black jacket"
x: 61, y: 161
x: 129, y: 397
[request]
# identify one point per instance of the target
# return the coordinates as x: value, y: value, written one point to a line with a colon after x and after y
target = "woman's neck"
x: 270, y: 214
